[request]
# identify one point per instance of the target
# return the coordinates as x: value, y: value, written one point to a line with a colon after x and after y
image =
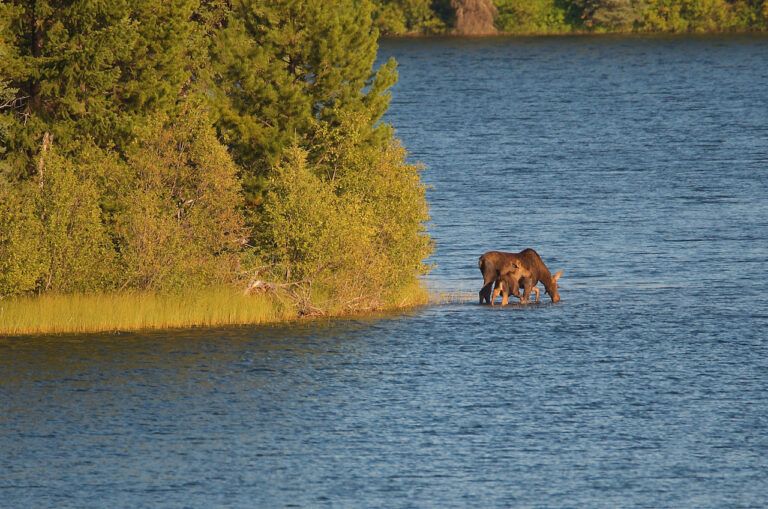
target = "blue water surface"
x: 637, y: 165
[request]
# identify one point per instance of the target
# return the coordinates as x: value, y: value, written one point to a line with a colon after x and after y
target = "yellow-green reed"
x: 124, y: 311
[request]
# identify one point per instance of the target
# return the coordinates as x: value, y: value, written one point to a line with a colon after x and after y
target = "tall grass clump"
x: 81, y: 313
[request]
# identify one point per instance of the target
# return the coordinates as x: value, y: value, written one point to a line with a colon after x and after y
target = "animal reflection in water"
x: 505, y: 272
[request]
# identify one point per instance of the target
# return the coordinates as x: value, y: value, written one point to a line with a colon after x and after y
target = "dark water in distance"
x: 637, y: 165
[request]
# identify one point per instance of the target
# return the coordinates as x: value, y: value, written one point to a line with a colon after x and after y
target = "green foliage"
x: 562, y: 16
x: 79, y: 254
x: 531, y: 16
x: 350, y: 225
x: 311, y: 232
x: 281, y: 67
x: 51, y: 231
x: 390, y: 190
x: 179, y: 225
x: 7, y: 100
x: 166, y: 218
x: 92, y: 69
x: 136, y: 190
x: 407, y: 17
x: 390, y: 19
x: 608, y: 14
x: 704, y: 15
x: 22, y: 255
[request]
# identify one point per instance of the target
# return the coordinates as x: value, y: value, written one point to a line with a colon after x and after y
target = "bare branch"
x: 16, y: 102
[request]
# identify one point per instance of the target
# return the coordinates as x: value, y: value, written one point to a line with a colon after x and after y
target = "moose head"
x: 551, y: 286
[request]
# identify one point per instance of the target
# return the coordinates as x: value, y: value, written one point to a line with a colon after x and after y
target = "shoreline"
x: 61, y: 314
x: 576, y: 34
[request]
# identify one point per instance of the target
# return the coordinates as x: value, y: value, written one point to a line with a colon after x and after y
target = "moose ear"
x: 557, y: 275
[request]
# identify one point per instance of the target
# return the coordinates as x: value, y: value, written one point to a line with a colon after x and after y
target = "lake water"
x: 637, y: 165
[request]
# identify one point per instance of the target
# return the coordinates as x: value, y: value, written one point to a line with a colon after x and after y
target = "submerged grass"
x: 84, y: 313
x: 456, y: 297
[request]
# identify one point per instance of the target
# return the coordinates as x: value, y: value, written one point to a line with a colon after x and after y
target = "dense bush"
x: 350, y: 225
x: 531, y: 16
x: 181, y: 224
x: 408, y: 17
x: 22, y: 255
x: 79, y: 254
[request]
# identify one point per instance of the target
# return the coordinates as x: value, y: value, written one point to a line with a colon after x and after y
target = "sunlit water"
x: 637, y: 165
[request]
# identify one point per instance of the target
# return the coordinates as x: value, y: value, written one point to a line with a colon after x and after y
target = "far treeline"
x: 165, y: 146
x: 400, y: 17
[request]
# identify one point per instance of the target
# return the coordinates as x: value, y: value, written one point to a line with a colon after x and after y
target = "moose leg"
x: 505, y: 296
x: 485, y: 293
x: 498, y: 288
x: 528, y: 287
x: 515, y: 285
x: 538, y: 294
x: 509, y: 282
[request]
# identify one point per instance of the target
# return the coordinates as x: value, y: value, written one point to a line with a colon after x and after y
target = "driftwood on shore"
x: 259, y: 286
x: 299, y: 292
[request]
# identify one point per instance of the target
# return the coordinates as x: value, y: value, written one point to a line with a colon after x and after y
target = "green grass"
x: 84, y: 313
x: 51, y: 314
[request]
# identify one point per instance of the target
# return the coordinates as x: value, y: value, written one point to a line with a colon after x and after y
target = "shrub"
x: 526, y: 16
x: 79, y: 253
x: 348, y: 227
x: 22, y: 250
x: 180, y: 225
x: 314, y: 237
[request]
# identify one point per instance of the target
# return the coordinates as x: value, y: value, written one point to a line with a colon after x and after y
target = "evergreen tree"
x: 82, y: 80
x: 92, y: 69
x: 284, y: 67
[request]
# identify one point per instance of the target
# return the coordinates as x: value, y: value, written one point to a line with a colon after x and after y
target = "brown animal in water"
x: 493, y: 265
x: 520, y: 270
x: 505, y: 282
x: 539, y: 272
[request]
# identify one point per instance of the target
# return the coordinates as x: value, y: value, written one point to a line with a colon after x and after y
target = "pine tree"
x: 283, y: 67
x: 89, y: 90
x: 92, y: 69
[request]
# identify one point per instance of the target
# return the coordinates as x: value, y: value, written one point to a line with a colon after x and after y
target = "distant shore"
x: 575, y: 33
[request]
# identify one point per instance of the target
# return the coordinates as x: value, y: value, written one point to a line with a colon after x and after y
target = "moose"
x: 505, y: 272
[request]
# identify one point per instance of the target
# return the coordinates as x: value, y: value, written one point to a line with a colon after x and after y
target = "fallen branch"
x: 259, y: 286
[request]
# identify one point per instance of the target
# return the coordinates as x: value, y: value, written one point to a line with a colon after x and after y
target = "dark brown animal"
x: 505, y: 282
x: 503, y: 272
x: 539, y: 272
x: 495, y: 264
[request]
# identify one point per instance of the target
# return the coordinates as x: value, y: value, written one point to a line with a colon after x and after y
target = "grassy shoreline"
x: 135, y: 311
